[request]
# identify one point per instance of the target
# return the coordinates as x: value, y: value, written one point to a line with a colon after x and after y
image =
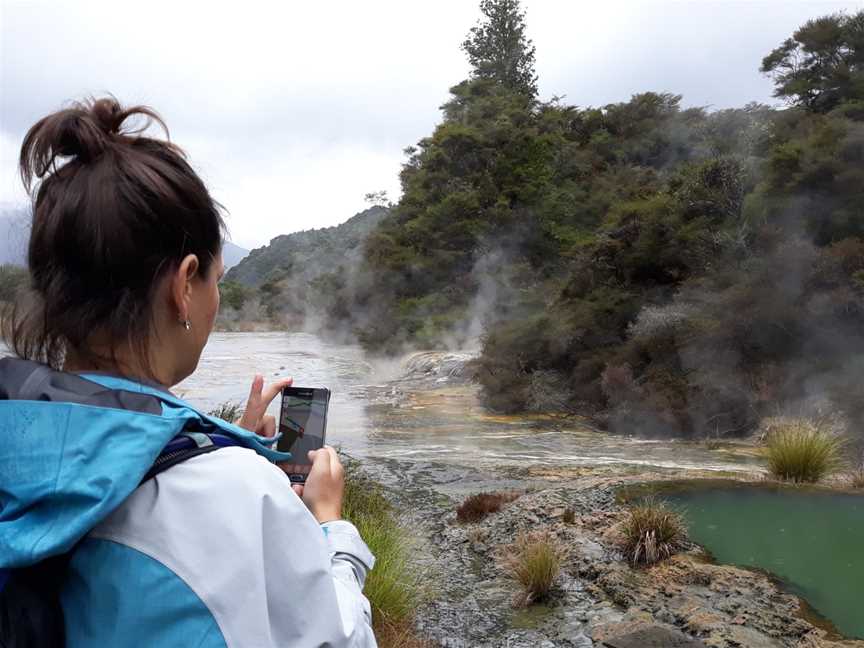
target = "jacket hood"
x: 73, y: 447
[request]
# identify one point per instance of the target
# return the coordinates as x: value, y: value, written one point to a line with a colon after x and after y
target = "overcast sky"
x: 292, y: 111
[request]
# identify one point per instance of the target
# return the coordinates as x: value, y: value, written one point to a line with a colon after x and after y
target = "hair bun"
x: 76, y: 134
x: 108, y: 115
x: 83, y: 132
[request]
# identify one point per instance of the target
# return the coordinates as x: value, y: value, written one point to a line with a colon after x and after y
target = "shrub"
x: 227, y: 411
x: 652, y: 532
x: 534, y: 560
x: 569, y: 516
x: 477, y: 507
x: 801, y: 451
x: 393, y: 587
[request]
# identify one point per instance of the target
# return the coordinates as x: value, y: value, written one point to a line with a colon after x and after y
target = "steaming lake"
x: 443, y: 425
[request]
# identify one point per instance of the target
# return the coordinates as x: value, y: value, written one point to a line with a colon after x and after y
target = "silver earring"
x: 187, y: 325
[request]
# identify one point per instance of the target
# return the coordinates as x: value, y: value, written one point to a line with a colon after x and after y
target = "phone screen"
x: 302, y: 421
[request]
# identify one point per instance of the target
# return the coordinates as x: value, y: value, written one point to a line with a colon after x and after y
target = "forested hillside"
x: 301, y: 278
x: 673, y: 270
x: 670, y: 270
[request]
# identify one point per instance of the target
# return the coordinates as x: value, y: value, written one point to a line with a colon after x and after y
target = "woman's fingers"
x: 253, y: 410
x: 267, y: 427
x: 259, y: 400
x: 274, y: 390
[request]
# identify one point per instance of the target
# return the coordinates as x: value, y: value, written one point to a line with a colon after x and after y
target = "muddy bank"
x: 598, y: 594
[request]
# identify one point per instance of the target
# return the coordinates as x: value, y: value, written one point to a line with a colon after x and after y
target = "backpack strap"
x: 185, y: 446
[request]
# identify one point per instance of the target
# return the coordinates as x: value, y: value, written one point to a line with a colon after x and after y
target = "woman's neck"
x: 94, y: 362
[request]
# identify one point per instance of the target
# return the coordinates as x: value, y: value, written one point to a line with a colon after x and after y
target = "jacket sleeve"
x: 229, y: 525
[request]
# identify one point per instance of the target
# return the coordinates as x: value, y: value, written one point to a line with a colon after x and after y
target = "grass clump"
x: 856, y: 476
x: 393, y: 586
x: 534, y: 561
x: 652, y: 532
x: 801, y: 451
x: 569, y: 516
x: 227, y: 411
x: 477, y: 507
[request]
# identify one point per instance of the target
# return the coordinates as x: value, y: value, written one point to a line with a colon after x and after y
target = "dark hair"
x: 123, y: 210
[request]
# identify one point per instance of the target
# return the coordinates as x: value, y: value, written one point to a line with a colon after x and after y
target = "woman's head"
x: 125, y: 247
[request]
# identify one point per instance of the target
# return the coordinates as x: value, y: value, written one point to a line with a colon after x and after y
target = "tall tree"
x: 498, y: 49
x: 822, y: 65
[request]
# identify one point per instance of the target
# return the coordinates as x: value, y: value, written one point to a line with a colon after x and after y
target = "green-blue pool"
x: 812, y: 540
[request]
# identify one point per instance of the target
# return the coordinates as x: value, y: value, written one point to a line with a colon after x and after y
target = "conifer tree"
x: 498, y: 49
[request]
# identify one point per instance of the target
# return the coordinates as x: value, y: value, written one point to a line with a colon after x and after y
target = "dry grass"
x: 227, y: 411
x: 534, y: 561
x: 801, y: 451
x: 569, y: 516
x: 477, y: 507
x: 652, y: 532
x: 399, y: 635
x: 856, y: 476
x: 713, y: 443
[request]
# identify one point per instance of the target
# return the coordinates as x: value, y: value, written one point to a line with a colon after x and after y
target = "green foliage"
x: 498, y: 49
x: 652, y: 532
x: 801, y: 451
x: 534, y: 560
x: 822, y: 65
x: 394, y: 586
x: 233, y: 294
x: 12, y: 279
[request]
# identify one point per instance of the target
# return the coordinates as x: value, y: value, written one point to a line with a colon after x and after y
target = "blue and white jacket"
x: 218, y: 551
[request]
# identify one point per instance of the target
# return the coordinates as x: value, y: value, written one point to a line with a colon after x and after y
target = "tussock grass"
x: 393, y: 587
x: 477, y: 507
x: 652, y: 532
x: 227, y: 411
x: 856, y: 476
x: 801, y: 451
x: 534, y: 561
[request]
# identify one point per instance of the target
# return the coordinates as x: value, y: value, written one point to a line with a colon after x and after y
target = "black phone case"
x: 298, y: 478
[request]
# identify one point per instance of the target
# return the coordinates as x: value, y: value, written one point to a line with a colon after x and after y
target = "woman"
x: 219, y: 550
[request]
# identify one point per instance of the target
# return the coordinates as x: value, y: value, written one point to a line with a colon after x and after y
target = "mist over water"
x: 379, y: 412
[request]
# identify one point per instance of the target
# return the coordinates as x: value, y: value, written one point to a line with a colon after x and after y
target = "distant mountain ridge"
x: 307, y: 254
x: 14, y: 235
x: 232, y: 254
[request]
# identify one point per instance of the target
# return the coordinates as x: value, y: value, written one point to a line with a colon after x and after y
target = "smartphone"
x: 303, y: 423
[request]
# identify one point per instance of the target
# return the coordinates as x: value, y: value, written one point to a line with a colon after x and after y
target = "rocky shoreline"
x: 598, y: 595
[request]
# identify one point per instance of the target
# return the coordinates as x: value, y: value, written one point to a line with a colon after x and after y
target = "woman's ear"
x: 181, y: 285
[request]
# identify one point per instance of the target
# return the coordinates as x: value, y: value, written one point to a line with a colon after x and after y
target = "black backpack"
x: 30, y: 611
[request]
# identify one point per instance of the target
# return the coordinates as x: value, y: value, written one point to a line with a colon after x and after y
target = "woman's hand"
x: 255, y: 419
x: 324, y: 486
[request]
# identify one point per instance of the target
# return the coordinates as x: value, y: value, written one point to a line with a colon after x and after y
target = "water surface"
x: 441, y: 423
x: 812, y: 540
